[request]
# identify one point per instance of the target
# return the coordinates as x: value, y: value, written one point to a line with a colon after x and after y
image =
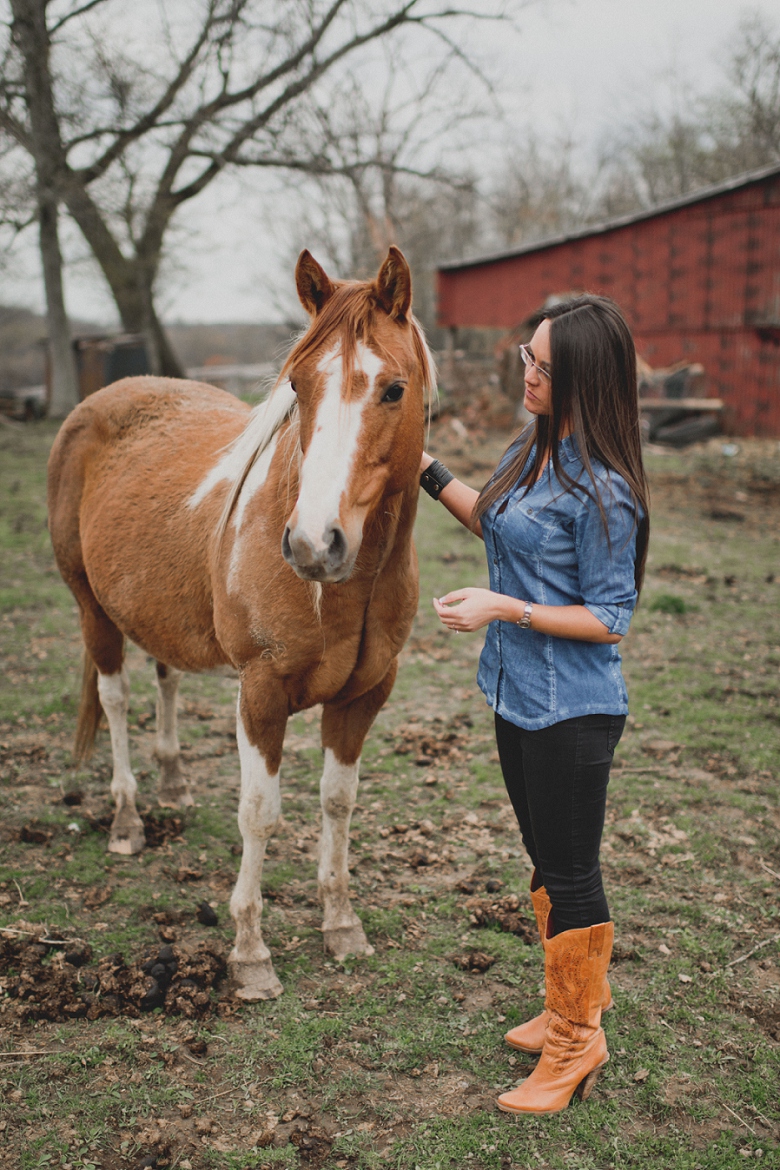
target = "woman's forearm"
x: 562, y: 621
x: 457, y: 497
x: 470, y: 609
x: 460, y: 499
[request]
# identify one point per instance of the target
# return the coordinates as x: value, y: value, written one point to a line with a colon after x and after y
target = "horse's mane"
x: 349, y: 314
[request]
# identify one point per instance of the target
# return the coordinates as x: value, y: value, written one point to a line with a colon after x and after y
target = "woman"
x: 565, y: 524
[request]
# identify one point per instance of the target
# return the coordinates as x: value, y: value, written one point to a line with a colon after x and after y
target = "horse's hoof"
x: 173, y: 790
x: 254, y: 981
x: 126, y: 841
x: 346, y: 940
x: 175, y: 798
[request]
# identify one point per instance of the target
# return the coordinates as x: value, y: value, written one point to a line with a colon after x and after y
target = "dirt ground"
x: 121, y: 1045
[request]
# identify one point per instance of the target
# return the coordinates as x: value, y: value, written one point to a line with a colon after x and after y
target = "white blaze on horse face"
x: 330, y: 457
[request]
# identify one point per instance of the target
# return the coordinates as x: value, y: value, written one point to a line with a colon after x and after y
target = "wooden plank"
x: 680, y: 404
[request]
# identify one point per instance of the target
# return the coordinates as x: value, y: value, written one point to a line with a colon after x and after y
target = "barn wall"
x: 700, y: 283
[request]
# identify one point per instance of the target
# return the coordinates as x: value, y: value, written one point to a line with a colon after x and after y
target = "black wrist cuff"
x: 435, y: 478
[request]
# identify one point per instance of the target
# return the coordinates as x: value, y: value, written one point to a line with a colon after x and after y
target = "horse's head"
x: 360, y: 374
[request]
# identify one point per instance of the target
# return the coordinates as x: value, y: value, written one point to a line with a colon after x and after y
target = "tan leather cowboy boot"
x: 529, y: 1037
x: 575, y: 1047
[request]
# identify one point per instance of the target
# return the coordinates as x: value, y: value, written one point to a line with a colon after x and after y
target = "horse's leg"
x: 173, y: 791
x: 105, y: 646
x: 260, y: 726
x: 127, y: 830
x: 344, y: 728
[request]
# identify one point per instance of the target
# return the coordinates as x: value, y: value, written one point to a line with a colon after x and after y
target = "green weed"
x: 395, y: 1059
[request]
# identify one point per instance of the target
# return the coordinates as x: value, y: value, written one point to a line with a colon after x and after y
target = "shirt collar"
x: 568, y: 449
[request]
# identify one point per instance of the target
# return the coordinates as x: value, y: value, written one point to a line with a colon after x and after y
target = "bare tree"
x: 744, y: 121
x: 540, y: 191
x: 135, y: 135
x: 379, y: 170
x: 30, y: 38
x: 707, y: 137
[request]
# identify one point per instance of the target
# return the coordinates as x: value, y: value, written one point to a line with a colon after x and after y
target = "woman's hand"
x: 467, y: 610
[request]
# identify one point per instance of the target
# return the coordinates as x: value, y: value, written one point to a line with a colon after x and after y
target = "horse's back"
x: 136, y: 410
x: 121, y: 472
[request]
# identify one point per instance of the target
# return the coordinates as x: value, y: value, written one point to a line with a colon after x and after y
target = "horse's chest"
x: 317, y: 669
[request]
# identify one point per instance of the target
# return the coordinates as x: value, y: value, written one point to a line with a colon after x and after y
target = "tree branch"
x: 294, y: 89
x: 76, y: 12
x: 322, y: 167
x: 150, y: 119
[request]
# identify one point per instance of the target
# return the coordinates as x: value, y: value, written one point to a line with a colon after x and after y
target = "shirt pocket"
x: 527, y: 528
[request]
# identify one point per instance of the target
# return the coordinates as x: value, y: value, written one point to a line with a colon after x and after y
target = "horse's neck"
x: 393, y: 530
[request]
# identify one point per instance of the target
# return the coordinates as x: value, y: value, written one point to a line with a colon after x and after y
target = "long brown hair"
x: 594, y: 392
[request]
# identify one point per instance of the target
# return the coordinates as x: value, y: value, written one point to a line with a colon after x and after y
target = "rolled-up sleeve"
x: 606, y: 567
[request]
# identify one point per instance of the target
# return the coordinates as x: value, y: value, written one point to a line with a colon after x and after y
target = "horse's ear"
x: 313, y: 284
x: 394, y: 284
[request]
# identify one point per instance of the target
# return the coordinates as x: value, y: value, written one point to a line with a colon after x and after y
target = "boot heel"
x: 585, y: 1086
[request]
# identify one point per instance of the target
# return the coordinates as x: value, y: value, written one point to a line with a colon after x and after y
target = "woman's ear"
x: 313, y: 283
x: 394, y: 285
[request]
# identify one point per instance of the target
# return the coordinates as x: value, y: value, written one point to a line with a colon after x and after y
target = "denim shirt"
x: 548, y: 546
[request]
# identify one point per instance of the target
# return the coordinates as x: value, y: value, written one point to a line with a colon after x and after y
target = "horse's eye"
x: 292, y: 387
x: 393, y: 393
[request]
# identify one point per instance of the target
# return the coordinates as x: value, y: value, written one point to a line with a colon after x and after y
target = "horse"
x: 276, y: 541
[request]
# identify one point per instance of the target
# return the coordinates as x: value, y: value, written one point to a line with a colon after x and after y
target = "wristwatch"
x: 525, y: 621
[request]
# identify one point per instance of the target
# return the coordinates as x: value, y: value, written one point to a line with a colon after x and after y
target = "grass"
x: 395, y: 1060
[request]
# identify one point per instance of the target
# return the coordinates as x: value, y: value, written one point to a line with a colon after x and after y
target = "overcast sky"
x: 579, y: 66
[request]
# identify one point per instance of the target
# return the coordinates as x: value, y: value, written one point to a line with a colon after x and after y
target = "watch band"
x: 435, y: 478
x: 525, y: 621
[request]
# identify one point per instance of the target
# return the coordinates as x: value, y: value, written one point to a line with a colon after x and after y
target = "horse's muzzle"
x: 330, y: 563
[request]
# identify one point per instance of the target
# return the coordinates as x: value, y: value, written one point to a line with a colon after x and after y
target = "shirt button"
x: 495, y: 560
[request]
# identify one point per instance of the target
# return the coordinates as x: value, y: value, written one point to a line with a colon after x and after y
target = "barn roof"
x: 595, y: 229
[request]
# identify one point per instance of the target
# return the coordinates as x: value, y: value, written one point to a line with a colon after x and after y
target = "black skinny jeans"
x: 557, y: 781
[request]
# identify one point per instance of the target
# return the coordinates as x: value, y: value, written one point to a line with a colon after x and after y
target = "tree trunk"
x: 64, y: 379
x: 32, y: 38
x: 131, y: 280
x: 161, y: 356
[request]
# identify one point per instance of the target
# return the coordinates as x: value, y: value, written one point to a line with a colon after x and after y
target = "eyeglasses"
x: 528, y: 360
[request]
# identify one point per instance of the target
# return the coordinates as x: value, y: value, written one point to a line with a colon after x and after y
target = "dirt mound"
x: 42, y: 980
x: 474, y: 961
x: 501, y: 914
x: 157, y: 829
x: 434, y: 741
x: 766, y: 1015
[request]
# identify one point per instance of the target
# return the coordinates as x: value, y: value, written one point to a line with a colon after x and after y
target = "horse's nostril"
x: 315, y: 562
x: 337, y: 546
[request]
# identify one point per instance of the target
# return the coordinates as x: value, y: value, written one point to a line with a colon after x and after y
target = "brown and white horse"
x: 277, y: 541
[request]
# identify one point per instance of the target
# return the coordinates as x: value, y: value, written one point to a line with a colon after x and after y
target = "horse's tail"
x: 90, y: 711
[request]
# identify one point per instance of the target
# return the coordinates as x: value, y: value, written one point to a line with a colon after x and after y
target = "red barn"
x: 698, y: 279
